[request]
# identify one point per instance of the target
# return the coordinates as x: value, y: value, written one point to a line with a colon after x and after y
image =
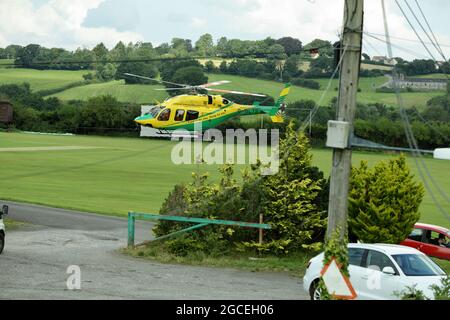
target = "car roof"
x: 386, y: 248
x: 431, y: 227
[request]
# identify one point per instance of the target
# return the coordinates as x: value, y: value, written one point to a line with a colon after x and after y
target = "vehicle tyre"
x: 2, y: 242
x: 314, y: 291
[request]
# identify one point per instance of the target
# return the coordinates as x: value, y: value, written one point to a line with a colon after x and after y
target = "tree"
x: 119, y: 51
x: 383, y: 202
x: 141, y: 68
x: 27, y: 55
x: 277, y: 54
x: 325, y: 47
x: 100, y: 51
x: 222, y: 47
x: 11, y: 51
x: 189, y: 75
x: 105, y: 72
x: 291, y: 45
x: 223, y: 67
x: 366, y: 57
x: 181, y: 47
x: 294, y: 206
x: 291, y: 65
x: 210, y: 66
x: 205, y: 45
x: 169, y: 68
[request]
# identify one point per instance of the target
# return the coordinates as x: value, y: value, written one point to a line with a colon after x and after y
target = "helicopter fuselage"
x: 186, y: 112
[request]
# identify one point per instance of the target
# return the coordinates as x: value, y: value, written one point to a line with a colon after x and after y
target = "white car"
x: 379, y: 271
x: 2, y: 228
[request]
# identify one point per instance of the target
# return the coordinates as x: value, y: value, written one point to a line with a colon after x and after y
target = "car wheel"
x: 315, y: 292
x: 2, y: 242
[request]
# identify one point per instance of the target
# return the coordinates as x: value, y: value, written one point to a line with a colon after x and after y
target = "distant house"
x: 6, y: 112
x: 385, y: 60
x: 419, y: 83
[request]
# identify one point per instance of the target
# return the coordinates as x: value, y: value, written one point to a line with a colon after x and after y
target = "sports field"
x: 116, y: 175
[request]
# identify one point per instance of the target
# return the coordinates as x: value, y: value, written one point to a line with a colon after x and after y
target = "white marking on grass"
x: 56, y: 148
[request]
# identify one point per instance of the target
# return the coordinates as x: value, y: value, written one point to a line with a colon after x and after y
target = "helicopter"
x: 191, y: 111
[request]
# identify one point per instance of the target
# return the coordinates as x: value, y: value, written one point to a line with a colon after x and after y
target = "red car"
x: 432, y: 240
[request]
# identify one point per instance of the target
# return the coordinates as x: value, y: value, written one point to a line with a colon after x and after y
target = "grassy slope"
x: 433, y: 76
x: 40, y: 79
x: 146, y: 94
x: 128, y: 174
x: 5, y: 61
x: 128, y: 93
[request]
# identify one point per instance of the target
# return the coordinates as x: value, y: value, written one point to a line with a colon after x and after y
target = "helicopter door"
x: 164, y: 115
x: 179, y: 115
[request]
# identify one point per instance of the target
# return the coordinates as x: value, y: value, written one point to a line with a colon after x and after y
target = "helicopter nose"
x: 138, y: 120
x: 143, y: 121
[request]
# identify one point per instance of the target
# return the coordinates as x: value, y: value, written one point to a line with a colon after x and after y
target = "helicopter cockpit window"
x: 191, y: 115
x: 164, y: 115
x: 154, y: 111
x: 179, y: 115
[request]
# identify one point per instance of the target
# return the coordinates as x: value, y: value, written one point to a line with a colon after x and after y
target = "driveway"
x: 36, y: 258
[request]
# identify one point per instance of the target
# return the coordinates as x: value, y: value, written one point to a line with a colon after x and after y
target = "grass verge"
x: 294, y: 264
x: 444, y: 264
x: 12, y: 224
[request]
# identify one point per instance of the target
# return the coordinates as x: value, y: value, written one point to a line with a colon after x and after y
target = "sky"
x: 84, y: 23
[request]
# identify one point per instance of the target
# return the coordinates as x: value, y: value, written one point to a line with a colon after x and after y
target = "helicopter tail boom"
x: 276, y: 112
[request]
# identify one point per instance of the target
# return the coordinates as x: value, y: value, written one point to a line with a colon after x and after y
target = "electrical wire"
x: 324, y: 93
x: 414, y: 29
x: 421, y: 166
x: 431, y: 31
x: 402, y: 39
x: 244, y: 56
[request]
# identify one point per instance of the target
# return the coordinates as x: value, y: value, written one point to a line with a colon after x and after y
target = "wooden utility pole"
x: 340, y: 173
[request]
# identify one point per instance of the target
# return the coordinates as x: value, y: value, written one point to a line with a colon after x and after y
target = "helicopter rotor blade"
x: 237, y: 92
x: 157, y: 80
x: 216, y: 83
x: 164, y: 89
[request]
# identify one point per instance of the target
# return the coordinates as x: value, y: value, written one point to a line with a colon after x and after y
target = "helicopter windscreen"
x: 154, y: 111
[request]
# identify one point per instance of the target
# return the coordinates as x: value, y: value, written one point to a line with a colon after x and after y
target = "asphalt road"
x: 37, y: 256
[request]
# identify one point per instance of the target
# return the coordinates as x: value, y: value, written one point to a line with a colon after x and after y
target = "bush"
x: 293, y: 202
x: 306, y: 83
x: 383, y: 202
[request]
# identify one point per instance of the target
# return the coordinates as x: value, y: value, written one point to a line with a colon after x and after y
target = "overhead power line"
x: 402, y: 39
x: 244, y: 56
x: 412, y: 142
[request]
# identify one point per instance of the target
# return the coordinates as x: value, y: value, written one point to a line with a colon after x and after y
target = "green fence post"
x: 131, y: 220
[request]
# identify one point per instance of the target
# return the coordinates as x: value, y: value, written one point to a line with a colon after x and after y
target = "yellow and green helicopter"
x: 188, y: 111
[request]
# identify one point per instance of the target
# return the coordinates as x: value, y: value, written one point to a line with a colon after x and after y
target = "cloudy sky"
x: 84, y: 23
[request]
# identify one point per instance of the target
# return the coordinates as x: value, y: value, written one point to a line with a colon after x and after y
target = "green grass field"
x: 130, y: 174
x: 146, y: 94
x: 5, y: 62
x: 137, y: 93
x: 40, y: 79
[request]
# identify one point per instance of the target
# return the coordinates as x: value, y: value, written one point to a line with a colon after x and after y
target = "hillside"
x: 145, y: 94
x: 51, y: 79
x: 40, y: 79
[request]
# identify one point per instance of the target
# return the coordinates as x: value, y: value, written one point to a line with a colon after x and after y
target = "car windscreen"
x: 417, y: 265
